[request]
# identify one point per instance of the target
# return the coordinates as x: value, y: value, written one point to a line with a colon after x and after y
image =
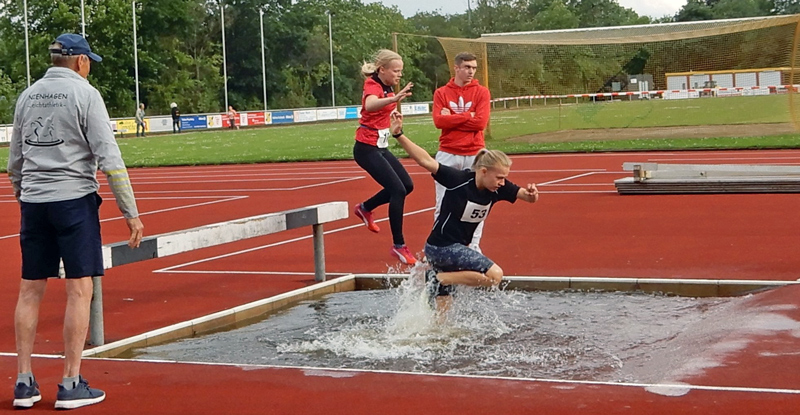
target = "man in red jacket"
x: 461, y: 111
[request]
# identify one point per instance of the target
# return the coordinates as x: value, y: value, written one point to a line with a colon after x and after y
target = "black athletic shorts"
x: 68, y: 230
x: 457, y: 257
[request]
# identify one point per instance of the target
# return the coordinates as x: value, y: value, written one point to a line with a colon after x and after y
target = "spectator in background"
x: 176, y: 118
x: 461, y: 110
x: 232, y: 115
x: 140, y: 119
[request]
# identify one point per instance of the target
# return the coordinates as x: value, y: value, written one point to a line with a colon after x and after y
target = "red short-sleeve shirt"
x: 372, y: 122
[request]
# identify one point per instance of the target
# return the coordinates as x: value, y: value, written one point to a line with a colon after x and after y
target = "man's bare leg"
x: 76, y: 323
x: 26, y: 318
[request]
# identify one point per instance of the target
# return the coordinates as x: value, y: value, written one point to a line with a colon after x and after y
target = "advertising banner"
x: 414, y: 109
x: 127, y: 126
x: 254, y: 118
x: 421, y: 108
x: 305, y: 115
x: 160, y: 124
x: 267, y: 118
x: 194, y: 122
x: 214, y: 121
x: 352, y: 113
x: 4, y: 137
x: 226, y: 122
x: 327, y: 114
x: 282, y: 117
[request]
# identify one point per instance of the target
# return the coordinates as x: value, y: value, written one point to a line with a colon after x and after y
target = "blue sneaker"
x: 80, y: 395
x: 25, y: 396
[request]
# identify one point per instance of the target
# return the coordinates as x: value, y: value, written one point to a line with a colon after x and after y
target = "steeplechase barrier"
x: 173, y: 243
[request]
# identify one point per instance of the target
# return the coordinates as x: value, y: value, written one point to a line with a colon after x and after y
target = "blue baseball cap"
x: 72, y: 44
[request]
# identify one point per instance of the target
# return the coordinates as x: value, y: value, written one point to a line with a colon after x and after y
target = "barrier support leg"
x: 96, y: 313
x: 319, y: 254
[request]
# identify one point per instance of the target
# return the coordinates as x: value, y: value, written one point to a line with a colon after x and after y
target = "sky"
x: 652, y: 8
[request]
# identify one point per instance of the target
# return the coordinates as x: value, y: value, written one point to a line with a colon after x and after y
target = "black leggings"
x: 384, y: 167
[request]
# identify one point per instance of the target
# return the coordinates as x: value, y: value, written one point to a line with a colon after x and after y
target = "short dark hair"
x: 58, y: 59
x: 465, y: 57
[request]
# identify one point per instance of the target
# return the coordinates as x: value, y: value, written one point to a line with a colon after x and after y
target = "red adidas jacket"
x: 462, y: 134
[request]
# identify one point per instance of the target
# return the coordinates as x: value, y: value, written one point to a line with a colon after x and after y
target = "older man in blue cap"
x: 62, y: 135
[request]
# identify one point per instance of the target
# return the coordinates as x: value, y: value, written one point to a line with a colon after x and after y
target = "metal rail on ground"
x: 172, y: 243
x: 655, y: 178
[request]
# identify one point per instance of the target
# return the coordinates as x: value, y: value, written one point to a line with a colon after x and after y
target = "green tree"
x: 729, y: 9
x: 694, y: 10
x: 785, y: 7
x: 601, y: 13
x: 8, y: 93
x: 556, y: 16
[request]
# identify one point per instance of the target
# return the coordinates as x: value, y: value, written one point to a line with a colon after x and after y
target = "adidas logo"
x: 460, y: 107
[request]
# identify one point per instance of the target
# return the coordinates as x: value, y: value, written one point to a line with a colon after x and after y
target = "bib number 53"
x: 478, y: 213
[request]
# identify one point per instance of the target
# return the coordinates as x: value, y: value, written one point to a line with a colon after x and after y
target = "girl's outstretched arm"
x: 528, y: 193
x: 416, y: 152
x: 373, y: 103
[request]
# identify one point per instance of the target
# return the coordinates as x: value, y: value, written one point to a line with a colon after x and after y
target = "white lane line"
x: 222, y: 174
x: 284, y: 242
x: 575, y: 184
x: 574, y: 192
x: 566, y: 178
x: 728, y: 158
x: 239, y: 168
x: 322, y: 370
x: 174, y: 179
x: 281, y: 179
x: 170, y: 197
x: 658, y: 153
x: 568, y: 155
x: 336, y: 274
x: 245, y: 190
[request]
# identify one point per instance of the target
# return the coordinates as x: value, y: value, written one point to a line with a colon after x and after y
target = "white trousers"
x: 460, y: 163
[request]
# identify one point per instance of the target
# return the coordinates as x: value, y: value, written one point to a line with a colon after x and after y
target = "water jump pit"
x: 594, y: 333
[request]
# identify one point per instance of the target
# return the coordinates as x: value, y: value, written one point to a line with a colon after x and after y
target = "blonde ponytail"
x: 491, y: 158
x: 379, y: 60
x: 368, y: 68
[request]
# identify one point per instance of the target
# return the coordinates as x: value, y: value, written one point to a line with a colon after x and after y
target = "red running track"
x: 580, y: 227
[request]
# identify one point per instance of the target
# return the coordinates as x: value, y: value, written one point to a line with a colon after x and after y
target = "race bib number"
x: 383, y: 138
x: 475, y: 213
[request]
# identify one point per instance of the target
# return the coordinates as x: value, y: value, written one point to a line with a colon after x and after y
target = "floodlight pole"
x: 83, y: 19
x: 27, y: 46
x: 263, y: 59
x: 135, y: 53
x: 330, y: 42
x: 224, y: 57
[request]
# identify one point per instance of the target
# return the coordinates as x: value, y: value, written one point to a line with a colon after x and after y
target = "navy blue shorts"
x: 68, y: 230
x: 457, y: 257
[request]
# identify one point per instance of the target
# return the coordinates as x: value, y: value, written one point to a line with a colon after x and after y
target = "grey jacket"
x: 62, y: 134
